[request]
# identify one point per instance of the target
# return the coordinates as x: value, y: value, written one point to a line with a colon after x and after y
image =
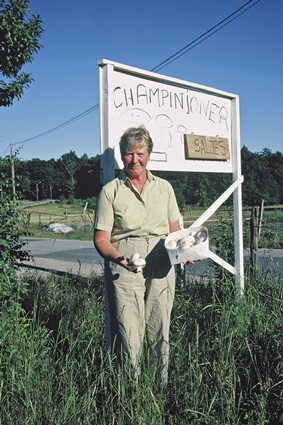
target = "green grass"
x: 226, y: 364
x: 38, y: 217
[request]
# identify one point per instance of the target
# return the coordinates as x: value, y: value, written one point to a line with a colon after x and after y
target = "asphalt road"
x: 64, y: 256
x: 82, y: 257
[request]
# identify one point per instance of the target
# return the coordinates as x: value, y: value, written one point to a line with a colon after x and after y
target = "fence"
x: 38, y: 219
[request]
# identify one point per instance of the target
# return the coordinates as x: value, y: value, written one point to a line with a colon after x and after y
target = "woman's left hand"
x: 189, y: 262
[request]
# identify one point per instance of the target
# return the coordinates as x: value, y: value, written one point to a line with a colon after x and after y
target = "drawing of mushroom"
x: 165, y: 135
x: 182, y: 130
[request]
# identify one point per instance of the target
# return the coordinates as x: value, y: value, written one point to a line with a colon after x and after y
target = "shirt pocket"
x: 159, y: 205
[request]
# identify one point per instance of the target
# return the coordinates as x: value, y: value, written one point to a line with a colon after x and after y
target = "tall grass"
x: 225, y: 364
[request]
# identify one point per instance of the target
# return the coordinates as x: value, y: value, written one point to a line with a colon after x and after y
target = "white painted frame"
x: 108, y: 72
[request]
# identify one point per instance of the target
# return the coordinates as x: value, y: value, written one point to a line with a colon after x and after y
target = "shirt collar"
x: 124, y: 178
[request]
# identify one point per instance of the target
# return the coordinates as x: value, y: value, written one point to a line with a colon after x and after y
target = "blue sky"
x: 245, y: 58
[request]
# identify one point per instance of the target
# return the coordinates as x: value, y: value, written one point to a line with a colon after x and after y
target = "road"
x: 81, y: 257
x: 64, y: 256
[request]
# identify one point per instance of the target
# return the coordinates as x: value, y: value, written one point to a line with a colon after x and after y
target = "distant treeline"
x: 74, y: 177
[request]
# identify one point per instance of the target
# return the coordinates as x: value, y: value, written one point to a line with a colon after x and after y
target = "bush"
x: 91, y: 203
x: 11, y: 248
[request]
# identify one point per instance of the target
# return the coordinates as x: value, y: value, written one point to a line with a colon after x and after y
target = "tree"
x: 19, y: 40
x: 88, y: 177
x: 262, y: 179
x: 46, y: 179
x: 178, y: 182
x: 69, y: 163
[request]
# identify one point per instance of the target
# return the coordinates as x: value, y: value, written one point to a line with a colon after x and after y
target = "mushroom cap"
x: 134, y: 256
x: 201, y: 236
x: 137, y: 260
x: 172, y: 244
x: 186, y: 242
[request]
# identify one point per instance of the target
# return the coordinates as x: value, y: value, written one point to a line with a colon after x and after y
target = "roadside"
x: 63, y: 256
x: 81, y: 257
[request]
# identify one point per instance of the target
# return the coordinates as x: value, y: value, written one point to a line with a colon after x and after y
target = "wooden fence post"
x: 83, y: 216
x: 254, y: 226
x: 260, y: 217
x: 28, y: 221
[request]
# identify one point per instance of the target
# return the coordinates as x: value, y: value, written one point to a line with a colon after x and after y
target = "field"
x: 37, y: 217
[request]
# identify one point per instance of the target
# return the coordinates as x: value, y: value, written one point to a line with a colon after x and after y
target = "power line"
x: 83, y: 114
x: 58, y: 127
x: 6, y: 150
x: 204, y: 36
x: 157, y: 68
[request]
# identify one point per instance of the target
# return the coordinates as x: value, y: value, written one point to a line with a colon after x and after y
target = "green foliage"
x: 272, y: 237
x: 91, y: 202
x: 80, y: 178
x: 200, y: 189
x: 19, y: 41
x: 10, y: 231
x: 204, y: 188
x: 69, y: 176
x: 225, y: 366
x: 11, y: 225
x: 66, y: 305
x: 13, y: 323
x: 263, y: 174
x: 223, y: 240
x: 233, y: 362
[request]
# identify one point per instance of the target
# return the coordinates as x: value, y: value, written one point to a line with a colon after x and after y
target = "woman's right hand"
x: 108, y: 252
x: 125, y: 262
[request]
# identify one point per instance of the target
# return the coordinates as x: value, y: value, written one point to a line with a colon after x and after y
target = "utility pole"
x: 13, y: 171
x: 37, y: 190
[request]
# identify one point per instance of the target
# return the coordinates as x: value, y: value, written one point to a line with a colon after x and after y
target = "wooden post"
x: 82, y: 215
x: 254, y: 226
x: 28, y: 221
x: 260, y: 217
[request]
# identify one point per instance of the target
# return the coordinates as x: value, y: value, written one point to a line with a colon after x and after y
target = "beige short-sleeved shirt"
x: 124, y: 212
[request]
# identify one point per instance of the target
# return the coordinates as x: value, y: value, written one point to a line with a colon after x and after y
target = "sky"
x: 245, y: 58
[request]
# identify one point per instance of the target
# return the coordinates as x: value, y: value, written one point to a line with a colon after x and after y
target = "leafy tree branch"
x: 19, y: 41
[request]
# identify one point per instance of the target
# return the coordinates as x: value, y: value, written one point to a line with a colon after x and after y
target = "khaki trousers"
x: 141, y: 303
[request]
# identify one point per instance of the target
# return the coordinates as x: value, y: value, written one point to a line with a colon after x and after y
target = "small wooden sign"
x: 206, y: 147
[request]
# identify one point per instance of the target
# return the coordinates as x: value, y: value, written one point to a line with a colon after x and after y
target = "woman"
x: 135, y: 213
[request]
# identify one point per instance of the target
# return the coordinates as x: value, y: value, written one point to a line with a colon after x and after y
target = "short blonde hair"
x: 135, y: 137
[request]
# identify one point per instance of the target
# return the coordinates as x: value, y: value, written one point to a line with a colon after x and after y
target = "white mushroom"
x: 186, y: 242
x: 134, y: 257
x: 137, y: 260
x: 172, y: 244
x: 201, y: 236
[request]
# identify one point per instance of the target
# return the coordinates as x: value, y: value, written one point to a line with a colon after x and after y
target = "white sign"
x: 169, y: 109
